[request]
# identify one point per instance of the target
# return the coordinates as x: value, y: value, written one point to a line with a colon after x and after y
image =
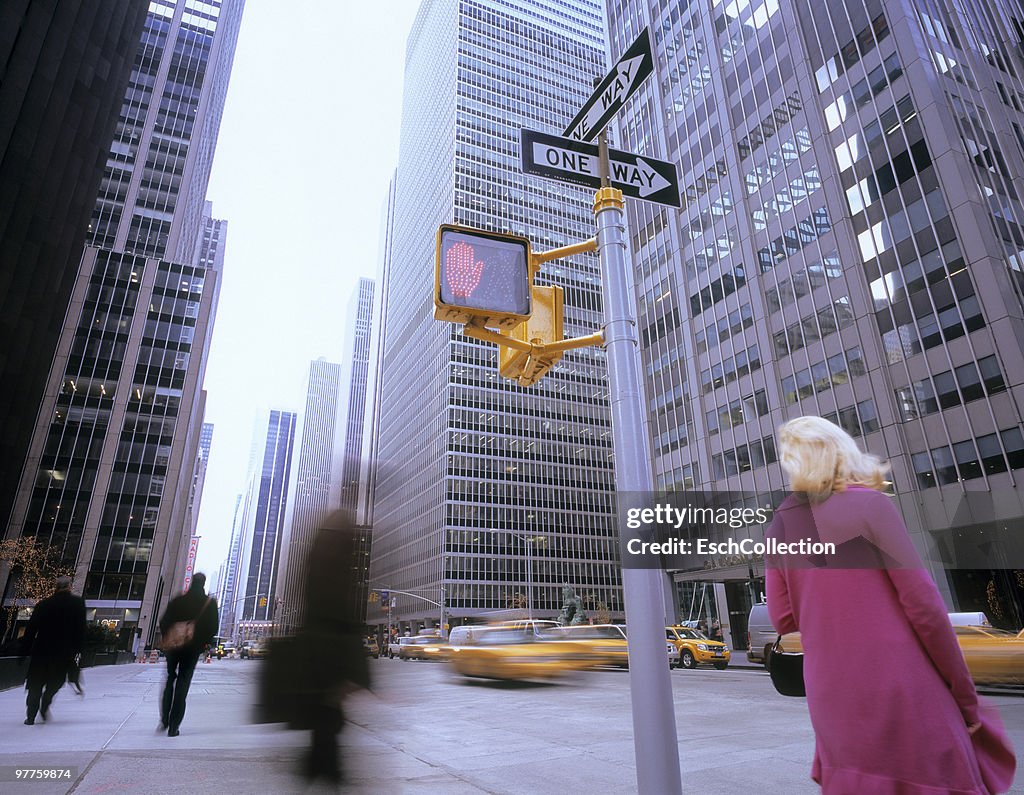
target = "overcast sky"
x: 307, y: 146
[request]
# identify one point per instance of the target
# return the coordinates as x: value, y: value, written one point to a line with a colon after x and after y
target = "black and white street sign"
x: 568, y: 160
x: 635, y: 66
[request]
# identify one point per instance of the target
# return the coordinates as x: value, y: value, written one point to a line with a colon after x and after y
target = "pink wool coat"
x: 889, y: 694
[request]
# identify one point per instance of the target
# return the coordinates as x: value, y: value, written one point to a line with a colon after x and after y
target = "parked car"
x: 392, y: 649
x: 694, y: 648
x: 371, y: 648
x: 258, y: 650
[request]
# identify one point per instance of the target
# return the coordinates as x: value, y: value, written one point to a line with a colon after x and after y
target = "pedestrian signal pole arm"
x: 486, y: 335
x: 478, y: 332
x: 538, y: 259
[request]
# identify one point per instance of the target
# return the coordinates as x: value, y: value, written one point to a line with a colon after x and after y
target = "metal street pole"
x: 529, y: 578
x: 654, y: 728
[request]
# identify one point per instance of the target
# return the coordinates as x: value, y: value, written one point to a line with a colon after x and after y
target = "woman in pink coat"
x: 890, y: 698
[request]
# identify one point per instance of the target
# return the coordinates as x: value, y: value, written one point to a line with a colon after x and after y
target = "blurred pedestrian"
x: 188, y: 625
x: 905, y: 726
x: 54, y: 636
x: 332, y: 657
x: 716, y: 630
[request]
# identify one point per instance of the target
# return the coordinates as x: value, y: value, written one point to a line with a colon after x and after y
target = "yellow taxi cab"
x: 512, y: 653
x: 421, y: 647
x: 993, y: 656
x: 597, y: 644
x: 695, y: 648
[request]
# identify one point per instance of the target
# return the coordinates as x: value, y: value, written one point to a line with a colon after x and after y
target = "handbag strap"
x: 203, y: 608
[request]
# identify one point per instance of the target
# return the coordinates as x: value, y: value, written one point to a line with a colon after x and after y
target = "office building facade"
x: 490, y: 497
x: 355, y: 382
x: 848, y: 247
x: 108, y: 478
x: 263, y: 524
x: 63, y: 71
x: 315, y: 484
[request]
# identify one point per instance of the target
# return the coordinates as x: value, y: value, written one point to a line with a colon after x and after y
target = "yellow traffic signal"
x: 482, y: 275
x: 545, y: 326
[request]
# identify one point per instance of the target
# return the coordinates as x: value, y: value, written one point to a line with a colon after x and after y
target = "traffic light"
x: 482, y: 275
x: 542, y: 328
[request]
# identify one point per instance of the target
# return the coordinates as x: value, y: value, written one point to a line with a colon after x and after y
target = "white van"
x: 969, y: 620
x: 761, y: 635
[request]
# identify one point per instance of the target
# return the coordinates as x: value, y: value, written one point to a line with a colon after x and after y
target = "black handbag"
x: 787, y: 671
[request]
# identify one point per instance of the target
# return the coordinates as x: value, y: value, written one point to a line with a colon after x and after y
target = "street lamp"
x: 529, y: 540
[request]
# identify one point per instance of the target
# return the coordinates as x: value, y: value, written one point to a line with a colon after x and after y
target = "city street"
x: 422, y: 731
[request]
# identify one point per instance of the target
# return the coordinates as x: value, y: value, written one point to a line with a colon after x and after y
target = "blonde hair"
x: 820, y: 458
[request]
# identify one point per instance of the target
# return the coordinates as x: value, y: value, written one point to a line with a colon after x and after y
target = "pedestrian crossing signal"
x: 482, y: 277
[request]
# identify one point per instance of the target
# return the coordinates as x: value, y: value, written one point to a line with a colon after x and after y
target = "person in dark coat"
x: 331, y: 643
x: 193, y: 605
x: 54, y: 636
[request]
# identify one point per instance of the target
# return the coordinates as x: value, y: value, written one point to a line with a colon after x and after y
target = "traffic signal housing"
x: 544, y: 327
x: 482, y: 277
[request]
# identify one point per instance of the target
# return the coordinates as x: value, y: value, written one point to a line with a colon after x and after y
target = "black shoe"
x: 78, y: 690
x: 44, y: 713
x: 30, y: 721
x: 161, y: 727
x: 173, y: 732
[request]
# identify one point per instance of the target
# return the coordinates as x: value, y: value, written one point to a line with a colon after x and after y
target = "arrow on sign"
x: 641, y: 175
x: 569, y: 160
x: 625, y: 76
x: 632, y: 69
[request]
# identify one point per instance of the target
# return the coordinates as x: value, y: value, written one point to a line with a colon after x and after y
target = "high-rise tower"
x: 849, y: 246
x: 490, y: 496
x: 63, y: 71
x: 263, y: 522
x: 107, y: 481
x: 314, y: 488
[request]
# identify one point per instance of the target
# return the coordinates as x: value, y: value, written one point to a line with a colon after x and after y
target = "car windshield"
x: 690, y: 634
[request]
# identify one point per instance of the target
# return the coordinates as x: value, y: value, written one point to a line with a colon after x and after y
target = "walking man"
x: 200, y: 610
x: 55, y: 635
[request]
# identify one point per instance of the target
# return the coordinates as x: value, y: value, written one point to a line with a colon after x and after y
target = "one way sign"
x: 624, y: 79
x: 569, y: 160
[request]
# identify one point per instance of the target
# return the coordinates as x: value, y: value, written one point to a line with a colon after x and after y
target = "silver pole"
x: 529, y: 578
x: 654, y: 727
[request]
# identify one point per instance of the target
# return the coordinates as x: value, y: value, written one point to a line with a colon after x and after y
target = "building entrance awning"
x: 737, y: 573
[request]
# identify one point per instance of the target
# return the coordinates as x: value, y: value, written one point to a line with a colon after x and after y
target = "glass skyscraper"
x: 489, y: 496
x: 314, y: 488
x: 849, y: 246
x: 107, y: 482
x: 263, y: 525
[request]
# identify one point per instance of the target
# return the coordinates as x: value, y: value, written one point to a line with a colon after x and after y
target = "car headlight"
x: 702, y: 646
